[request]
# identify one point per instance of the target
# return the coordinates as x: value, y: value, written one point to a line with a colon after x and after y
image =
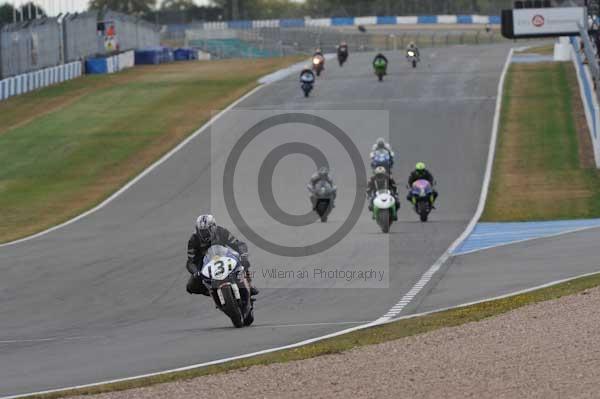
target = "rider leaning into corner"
x: 321, y: 174
x: 421, y: 173
x: 381, y: 180
x: 207, y: 233
x: 382, y: 145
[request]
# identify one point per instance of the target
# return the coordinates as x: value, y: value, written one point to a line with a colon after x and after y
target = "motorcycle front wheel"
x: 384, y: 220
x: 231, y: 308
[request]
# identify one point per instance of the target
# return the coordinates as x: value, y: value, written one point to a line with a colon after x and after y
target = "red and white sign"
x: 538, y: 20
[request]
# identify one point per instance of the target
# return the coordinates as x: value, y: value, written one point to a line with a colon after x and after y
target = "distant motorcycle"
x: 421, y: 196
x: 381, y: 158
x: 226, y: 279
x: 318, y: 64
x: 342, y: 55
x: 384, y: 209
x: 380, y: 66
x: 323, y: 198
x: 412, y: 57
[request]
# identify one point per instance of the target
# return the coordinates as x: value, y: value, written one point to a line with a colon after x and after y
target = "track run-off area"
x: 104, y: 297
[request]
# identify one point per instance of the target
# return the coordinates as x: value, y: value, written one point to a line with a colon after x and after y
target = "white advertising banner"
x: 548, y: 21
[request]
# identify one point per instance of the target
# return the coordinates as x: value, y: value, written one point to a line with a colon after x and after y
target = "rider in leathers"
x: 381, y: 144
x: 421, y: 173
x: 321, y: 174
x: 208, y: 233
x: 381, y: 180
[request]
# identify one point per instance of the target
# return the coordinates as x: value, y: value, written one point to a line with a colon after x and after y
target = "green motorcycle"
x: 380, y: 66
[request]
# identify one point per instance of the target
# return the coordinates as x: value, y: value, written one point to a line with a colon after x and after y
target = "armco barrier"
x: 27, y: 82
x: 350, y: 21
x: 588, y: 97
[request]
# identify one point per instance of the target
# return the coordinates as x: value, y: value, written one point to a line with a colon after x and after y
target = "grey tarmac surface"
x: 104, y: 298
x: 503, y: 270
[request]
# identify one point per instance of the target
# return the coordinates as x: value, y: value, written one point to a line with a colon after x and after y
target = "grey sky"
x: 54, y: 7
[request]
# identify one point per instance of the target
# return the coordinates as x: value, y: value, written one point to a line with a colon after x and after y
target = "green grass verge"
x: 370, y: 336
x: 539, y: 170
x: 65, y: 148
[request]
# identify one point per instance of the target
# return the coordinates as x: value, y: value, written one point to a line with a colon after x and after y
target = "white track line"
x: 426, y: 278
x: 141, y: 175
x: 306, y: 342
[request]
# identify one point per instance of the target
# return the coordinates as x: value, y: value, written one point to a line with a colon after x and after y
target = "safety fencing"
x: 27, y: 82
x: 273, y: 42
x: 354, y: 21
x: 80, y: 36
x: 41, y: 43
x: 588, y: 93
x: 29, y: 46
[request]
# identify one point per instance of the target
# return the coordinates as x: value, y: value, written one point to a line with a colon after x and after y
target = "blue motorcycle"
x: 381, y: 158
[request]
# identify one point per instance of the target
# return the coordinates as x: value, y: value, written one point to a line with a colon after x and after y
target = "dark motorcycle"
x: 323, y: 195
x: 224, y: 275
x: 342, y: 56
x: 307, y: 80
x: 421, y: 196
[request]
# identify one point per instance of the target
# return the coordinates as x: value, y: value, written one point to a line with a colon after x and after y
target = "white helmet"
x: 206, y: 227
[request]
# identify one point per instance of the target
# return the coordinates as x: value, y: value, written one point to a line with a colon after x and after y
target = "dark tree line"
x: 24, y: 13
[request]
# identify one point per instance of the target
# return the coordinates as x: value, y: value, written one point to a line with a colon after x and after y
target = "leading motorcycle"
x: 224, y: 275
x: 421, y: 196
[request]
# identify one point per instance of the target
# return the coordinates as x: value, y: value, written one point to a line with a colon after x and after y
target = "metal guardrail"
x: 591, y: 55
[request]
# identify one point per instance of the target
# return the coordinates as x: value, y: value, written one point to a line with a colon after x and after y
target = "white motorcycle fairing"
x: 384, y: 200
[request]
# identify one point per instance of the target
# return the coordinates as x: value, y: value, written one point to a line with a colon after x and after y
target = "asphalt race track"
x: 104, y: 298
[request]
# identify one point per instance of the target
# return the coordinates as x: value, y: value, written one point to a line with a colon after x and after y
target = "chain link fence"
x: 28, y: 46
x: 275, y: 41
x: 80, y: 36
x: 41, y: 43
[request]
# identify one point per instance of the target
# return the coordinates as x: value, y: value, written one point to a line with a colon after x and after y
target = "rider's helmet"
x: 412, y: 45
x: 343, y: 44
x: 323, y: 172
x: 420, y: 166
x: 380, y: 143
x: 206, y: 227
x: 318, y: 50
x: 380, y: 170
